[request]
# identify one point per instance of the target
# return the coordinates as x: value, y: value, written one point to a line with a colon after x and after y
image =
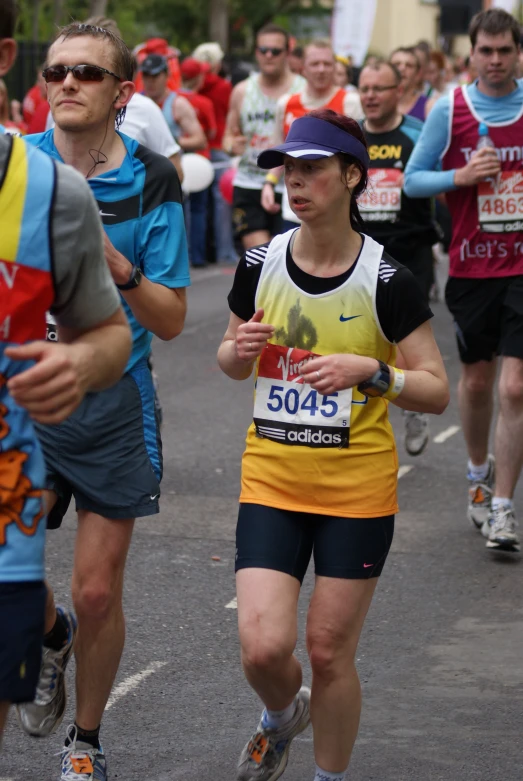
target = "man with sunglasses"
x: 249, y: 130
x: 471, y: 149
x: 51, y: 255
x: 108, y: 456
x: 143, y: 119
x: 405, y: 226
x: 319, y: 91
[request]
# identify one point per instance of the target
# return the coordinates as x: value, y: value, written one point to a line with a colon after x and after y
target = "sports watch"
x: 134, y: 280
x: 378, y: 384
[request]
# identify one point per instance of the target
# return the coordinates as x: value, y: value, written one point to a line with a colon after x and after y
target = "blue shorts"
x: 22, y: 616
x: 108, y: 454
x: 282, y: 540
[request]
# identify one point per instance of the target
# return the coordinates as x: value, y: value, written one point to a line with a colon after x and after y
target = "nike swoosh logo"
x: 103, y: 214
x: 154, y: 497
x: 366, y: 566
x: 346, y: 319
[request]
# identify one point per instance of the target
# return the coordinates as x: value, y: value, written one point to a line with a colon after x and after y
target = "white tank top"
x: 258, y: 116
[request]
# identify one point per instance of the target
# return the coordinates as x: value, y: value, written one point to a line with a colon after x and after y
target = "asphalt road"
x: 440, y: 657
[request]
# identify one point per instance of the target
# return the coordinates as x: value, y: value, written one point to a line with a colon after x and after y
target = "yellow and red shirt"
x: 331, y: 455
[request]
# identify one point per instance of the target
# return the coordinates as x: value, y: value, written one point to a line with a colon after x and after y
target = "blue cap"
x: 311, y: 139
x: 482, y: 129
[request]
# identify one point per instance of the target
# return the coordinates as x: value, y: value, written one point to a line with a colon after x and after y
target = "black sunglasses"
x: 274, y: 50
x: 58, y: 73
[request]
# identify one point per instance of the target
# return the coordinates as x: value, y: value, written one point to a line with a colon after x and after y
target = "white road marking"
x: 404, y: 470
x: 446, y: 434
x: 131, y: 683
x: 233, y: 604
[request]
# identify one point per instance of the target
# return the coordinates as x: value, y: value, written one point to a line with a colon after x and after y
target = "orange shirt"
x: 295, y: 108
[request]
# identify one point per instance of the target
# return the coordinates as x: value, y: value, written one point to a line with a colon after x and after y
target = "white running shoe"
x: 265, y: 756
x: 416, y: 432
x: 500, y: 530
x: 82, y: 762
x: 42, y: 716
x: 480, y: 496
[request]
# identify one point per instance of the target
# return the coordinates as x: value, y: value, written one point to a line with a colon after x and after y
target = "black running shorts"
x: 22, y: 615
x: 350, y: 548
x: 488, y: 317
x: 248, y: 214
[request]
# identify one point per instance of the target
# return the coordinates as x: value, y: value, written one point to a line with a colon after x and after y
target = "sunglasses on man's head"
x: 58, y: 73
x: 274, y: 50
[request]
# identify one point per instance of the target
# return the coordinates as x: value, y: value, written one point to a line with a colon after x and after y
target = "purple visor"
x: 312, y: 139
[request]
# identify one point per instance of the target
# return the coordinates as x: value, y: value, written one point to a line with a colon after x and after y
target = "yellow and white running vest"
x: 332, y: 455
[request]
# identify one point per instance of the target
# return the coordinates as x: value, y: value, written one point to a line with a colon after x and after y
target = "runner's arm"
x: 94, y: 332
x: 176, y: 160
x: 160, y: 309
x: 246, y: 335
x: 87, y: 306
x: 422, y: 180
x: 193, y: 137
x: 233, y: 141
x: 158, y: 137
x: 426, y: 386
x: 159, y: 302
x: 273, y: 176
x: 83, y: 361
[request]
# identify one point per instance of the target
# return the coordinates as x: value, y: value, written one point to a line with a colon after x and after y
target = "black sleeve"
x: 400, y: 304
x: 242, y: 298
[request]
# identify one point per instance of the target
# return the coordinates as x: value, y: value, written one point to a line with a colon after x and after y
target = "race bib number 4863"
x: 289, y: 411
x: 500, y: 203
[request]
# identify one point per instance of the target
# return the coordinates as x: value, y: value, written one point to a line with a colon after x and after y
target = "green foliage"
x: 185, y: 23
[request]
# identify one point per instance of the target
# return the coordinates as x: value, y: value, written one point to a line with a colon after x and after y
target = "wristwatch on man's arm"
x: 133, y: 281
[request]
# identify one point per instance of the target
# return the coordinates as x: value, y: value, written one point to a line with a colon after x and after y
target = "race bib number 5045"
x: 289, y: 411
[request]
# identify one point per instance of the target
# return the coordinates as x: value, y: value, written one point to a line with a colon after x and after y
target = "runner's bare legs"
x: 476, y: 402
x: 97, y: 587
x: 509, y: 427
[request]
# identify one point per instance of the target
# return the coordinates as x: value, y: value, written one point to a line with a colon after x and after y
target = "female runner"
x: 319, y: 312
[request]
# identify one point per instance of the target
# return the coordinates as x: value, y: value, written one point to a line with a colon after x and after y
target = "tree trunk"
x: 35, y: 21
x: 97, y: 7
x: 58, y: 12
x: 219, y: 22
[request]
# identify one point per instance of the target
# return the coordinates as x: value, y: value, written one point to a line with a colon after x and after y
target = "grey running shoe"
x: 82, y: 762
x: 265, y: 756
x: 416, y: 432
x: 42, y: 716
x: 500, y: 530
x: 480, y: 496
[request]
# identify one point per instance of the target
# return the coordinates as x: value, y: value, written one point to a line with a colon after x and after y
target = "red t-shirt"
x: 32, y: 100
x: 218, y: 91
x: 39, y: 120
x: 206, y: 117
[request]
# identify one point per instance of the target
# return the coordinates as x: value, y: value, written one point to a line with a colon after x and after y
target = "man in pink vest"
x: 475, y: 137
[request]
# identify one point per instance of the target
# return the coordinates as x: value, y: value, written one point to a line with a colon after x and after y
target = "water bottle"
x: 484, y: 140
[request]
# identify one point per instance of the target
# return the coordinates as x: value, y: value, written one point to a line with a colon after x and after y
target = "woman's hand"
x: 251, y: 337
x: 330, y: 373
